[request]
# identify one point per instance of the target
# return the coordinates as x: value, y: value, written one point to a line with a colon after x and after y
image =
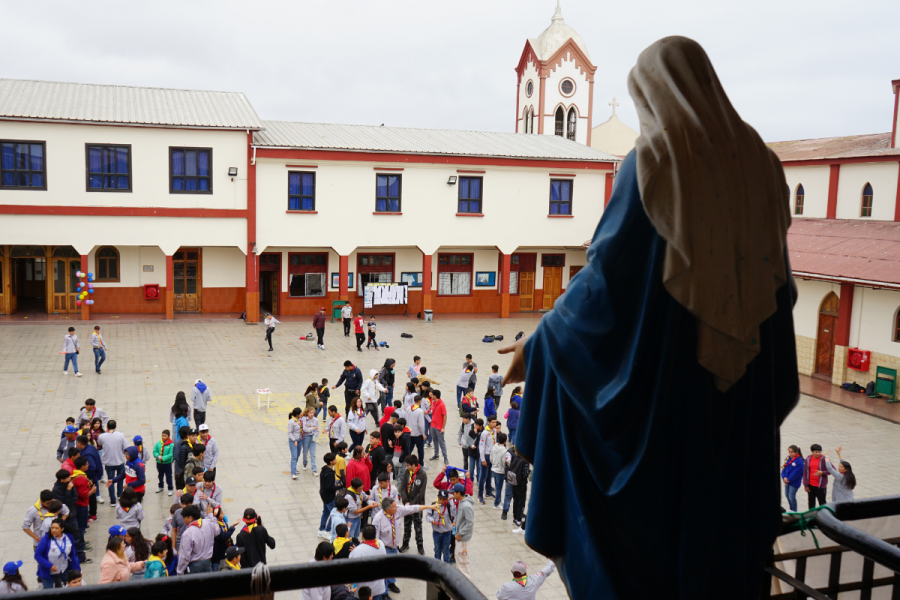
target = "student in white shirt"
x: 271, y: 322
x: 347, y: 317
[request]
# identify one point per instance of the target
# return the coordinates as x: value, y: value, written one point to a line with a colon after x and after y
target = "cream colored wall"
x: 882, y: 176
x: 66, y: 165
x: 809, y: 298
x: 581, y: 98
x: 530, y: 73
x: 873, y: 322
x: 515, y: 205
x: 815, y: 185
x: 131, y: 264
x: 85, y: 233
x: 223, y: 267
x: 574, y: 258
x: 613, y: 137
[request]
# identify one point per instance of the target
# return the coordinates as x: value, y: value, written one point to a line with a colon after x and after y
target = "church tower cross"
x: 614, y: 104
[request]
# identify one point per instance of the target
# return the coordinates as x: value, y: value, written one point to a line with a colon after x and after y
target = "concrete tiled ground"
x: 149, y: 362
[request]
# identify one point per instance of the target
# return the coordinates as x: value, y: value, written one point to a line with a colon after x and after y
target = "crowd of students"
x: 197, y: 537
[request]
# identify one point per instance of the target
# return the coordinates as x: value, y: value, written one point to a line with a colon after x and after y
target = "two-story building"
x: 189, y: 193
x: 844, y: 248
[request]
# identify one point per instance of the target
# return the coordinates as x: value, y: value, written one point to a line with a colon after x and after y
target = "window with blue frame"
x: 190, y: 170
x: 387, y: 193
x: 560, y: 197
x: 301, y: 191
x: 109, y: 168
x: 470, y: 195
x: 22, y: 165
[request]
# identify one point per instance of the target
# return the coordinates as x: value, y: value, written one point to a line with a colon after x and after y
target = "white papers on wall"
x: 377, y: 294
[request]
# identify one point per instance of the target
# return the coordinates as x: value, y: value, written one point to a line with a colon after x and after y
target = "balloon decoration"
x: 84, y: 288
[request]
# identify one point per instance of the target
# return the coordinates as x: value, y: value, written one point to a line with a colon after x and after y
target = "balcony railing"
x: 443, y: 582
x: 850, y: 539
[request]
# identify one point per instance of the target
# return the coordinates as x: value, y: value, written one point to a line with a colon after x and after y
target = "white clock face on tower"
x: 529, y: 88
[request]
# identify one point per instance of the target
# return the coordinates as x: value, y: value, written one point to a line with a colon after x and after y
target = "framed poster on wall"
x: 485, y: 278
x: 336, y: 280
x: 411, y: 279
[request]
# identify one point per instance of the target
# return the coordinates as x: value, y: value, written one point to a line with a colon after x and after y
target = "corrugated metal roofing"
x: 875, y: 144
x: 368, y: 138
x: 866, y: 250
x: 53, y: 101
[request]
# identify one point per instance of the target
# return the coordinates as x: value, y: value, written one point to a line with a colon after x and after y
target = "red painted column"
x: 504, y: 285
x: 426, y: 282
x: 85, y: 309
x: 609, y: 186
x: 897, y: 202
x: 541, y: 102
x: 170, y: 288
x: 842, y: 331
x: 833, y: 178
x: 252, y: 277
x: 343, y: 293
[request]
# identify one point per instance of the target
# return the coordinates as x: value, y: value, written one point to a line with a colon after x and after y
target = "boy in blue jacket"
x: 94, y: 473
x: 490, y: 408
x: 792, y: 475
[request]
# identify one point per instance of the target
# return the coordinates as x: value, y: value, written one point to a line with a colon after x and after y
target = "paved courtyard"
x: 149, y: 362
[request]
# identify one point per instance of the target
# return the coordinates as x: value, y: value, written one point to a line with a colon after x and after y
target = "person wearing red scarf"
x: 371, y: 546
x: 360, y: 466
x: 413, y: 484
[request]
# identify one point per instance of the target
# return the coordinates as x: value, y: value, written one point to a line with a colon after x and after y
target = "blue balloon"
x: 91, y: 291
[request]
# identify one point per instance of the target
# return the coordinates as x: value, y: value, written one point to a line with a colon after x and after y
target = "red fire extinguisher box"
x: 151, y: 291
x: 858, y: 359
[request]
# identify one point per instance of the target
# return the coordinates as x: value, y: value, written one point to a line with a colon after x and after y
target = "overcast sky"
x: 794, y: 69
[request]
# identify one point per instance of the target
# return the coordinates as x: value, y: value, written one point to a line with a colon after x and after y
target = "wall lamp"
x: 452, y: 180
x: 232, y: 172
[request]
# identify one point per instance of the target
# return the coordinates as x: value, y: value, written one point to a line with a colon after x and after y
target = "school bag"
x: 518, y: 470
x: 488, y: 338
x: 870, y: 389
x: 519, y: 335
x: 179, y: 479
x: 406, y: 335
x: 498, y: 338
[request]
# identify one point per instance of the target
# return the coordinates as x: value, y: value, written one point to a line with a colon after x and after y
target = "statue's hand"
x: 516, y: 372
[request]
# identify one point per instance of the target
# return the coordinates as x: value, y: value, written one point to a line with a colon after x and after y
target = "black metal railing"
x: 850, y: 539
x: 443, y: 581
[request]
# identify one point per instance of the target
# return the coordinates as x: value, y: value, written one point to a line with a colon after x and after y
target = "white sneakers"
x: 170, y: 492
x: 323, y: 534
x: 305, y: 467
x: 294, y: 476
x: 65, y: 372
x: 315, y: 474
x: 100, y: 500
x: 159, y: 490
x: 518, y: 530
x: 77, y: 374
x: 320, y: 347
x: 498, y: 507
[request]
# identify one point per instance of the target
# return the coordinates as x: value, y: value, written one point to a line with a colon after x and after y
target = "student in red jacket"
x: 438, y: 424
x: 360, y: 466
x: 359, y: 331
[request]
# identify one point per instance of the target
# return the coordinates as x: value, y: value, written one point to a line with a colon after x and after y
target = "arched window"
x: 560, y: 122
x: 897, y: 326
x: 107, y: 259
x: 798, y: 204
x: 531, y: 120
x: 866, y: 201
x: 524, y: 126
x: 573, y: 121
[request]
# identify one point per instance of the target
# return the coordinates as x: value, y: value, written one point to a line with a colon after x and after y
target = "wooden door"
x: 828, y: 315
x: 552, y: 285
x: 526, y: 291
x: 186, y: 270
x: 273, y: 291
x: 65, y: 285
x: 11, y: 287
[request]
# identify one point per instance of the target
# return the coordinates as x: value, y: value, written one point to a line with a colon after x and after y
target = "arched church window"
x: 529, y: 88
x: 530, y: 120
x: 567, y: 87
x: 560, y: 122
x: 798, y: 203
x: 866, y: 201
x: 524, y: 128
x: 573, y: 121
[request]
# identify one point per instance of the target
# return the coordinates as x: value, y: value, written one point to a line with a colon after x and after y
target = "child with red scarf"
x: 253, y: 538
x: 413, y: 483
x: 134, y: 472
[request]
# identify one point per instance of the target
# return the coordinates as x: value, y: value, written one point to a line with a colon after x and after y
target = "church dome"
x: 555, y: 36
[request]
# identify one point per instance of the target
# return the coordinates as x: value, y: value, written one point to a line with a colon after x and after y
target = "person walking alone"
x: 71, y: 347
x: 200, y: 396
x: 346, y: 317
x: 354, y: 379
x: 295, y: 432
x: 318, y: 324
x: 99, y: 347
x: 271, y: 322
x: 359, y: 331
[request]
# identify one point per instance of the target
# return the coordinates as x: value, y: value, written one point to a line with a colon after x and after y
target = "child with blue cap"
x: 12, y: 582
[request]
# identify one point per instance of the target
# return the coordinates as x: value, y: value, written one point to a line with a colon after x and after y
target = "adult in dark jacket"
x: 64, y: 491
x: 387, y: 437
x: 402, y: 437
x: 386, y: 377
x: 318, y: 324
x: 353, y: 379
x: 253, y: 538
x: 222, y: 541
x: 94, y: 470
x: 327, y: 489
x: 412, y: 486
x: 377, y: 455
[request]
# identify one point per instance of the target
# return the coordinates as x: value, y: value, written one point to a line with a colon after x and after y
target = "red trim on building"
x: 896, y: 86
x: 302, y: 212
x: 302, y: 166
x: 344, y: 269
x: 307, y: 268
x: 469, y: 268
x: 845, y: 311
x: 560, y: 216
x: 812, y: 162
x: 437, y: 159
x: 562, y: 174
x: 897, y: 201
x: 518, y: 93
x: 121, y: 211
x: 542, y: 78
x: 607, y: 194
x: 252, y: 274
x: 464, y: 171
x: 469, y: 215
x: 833, y: 178
x: 426, y: 281
x: 386, y: 213
x: 386, y: 169
x: 170, y: 287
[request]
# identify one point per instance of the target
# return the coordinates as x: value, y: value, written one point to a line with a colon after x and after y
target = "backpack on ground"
x: 488, y: 338
x: 519, y: 335
x: 498, y: 338
x: 406, y: 335
x: 870, y: 389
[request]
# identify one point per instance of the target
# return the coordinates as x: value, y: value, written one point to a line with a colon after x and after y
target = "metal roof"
x: 160, y: 107
x: 875, y: 144
x: 368, y: 138
x: 853, y: 249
